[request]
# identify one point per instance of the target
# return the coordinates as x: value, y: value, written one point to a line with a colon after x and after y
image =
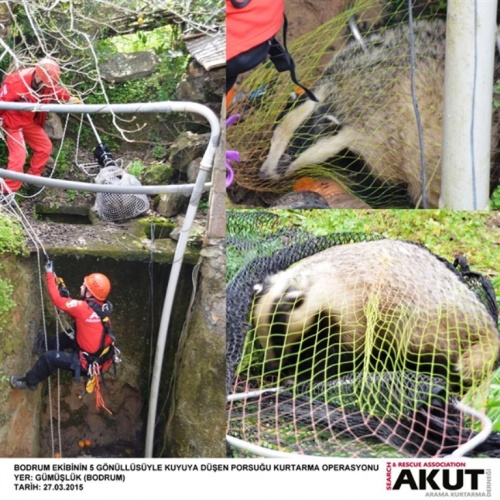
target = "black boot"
x: 31, y: 189
x: 20, y: 384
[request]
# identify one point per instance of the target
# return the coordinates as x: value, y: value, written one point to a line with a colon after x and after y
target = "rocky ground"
x: 69, y: 219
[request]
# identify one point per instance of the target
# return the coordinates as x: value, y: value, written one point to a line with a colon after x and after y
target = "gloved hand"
x: 63, y: 291
x: 49, y: 267
x: 75, y: 100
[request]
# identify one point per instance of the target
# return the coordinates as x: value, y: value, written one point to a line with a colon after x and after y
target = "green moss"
x: 11, y: 236
x: 6, y: 302
x: 157, y: 174
x: 128, y: 248
x: 12, y: 241
x: 156, y: 227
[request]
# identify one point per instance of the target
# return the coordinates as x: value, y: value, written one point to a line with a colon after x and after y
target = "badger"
x: 365, y: 107
x: 377, y: 306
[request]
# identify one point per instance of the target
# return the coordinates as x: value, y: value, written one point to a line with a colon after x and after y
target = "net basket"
x: 114, y: 207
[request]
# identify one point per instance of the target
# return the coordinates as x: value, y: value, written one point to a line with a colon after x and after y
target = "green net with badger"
x: 359, y: 145
x: 355, y: 345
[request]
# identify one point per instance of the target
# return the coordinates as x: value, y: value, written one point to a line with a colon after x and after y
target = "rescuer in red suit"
x: 89, y: 336
x: 37, y: 85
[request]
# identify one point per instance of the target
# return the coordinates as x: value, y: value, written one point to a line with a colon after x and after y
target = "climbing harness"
x: 96, y: 364
x: 246, y: 53
x: 94, y: 373
x: 283, y: 61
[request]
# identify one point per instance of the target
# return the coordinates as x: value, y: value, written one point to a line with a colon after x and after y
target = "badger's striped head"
x: 294, y: 143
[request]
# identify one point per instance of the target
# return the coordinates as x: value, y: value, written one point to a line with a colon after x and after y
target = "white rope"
x: 8, y: 203
x: 487, y: 427
x: 86, y: 167
x: 91, y: 169
x: 63, y: 322
x: 252, y: 394
x: 16, y: 211
x: 42, y: 304
x: 356, y: 33
x: 152, y: 228
x: 58, y: 390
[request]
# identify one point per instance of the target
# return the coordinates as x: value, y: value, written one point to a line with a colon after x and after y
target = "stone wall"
x: 19, y: 410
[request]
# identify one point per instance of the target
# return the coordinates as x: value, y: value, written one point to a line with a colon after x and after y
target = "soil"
x: 305, y: 15
x: 80, y: 421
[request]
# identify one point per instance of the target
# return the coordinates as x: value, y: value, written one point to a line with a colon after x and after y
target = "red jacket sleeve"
x: 8, y: 92
x: 66, y: 304
x: 54, y: 94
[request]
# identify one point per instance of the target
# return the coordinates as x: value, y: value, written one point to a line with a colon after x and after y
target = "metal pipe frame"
x: 196, y: 192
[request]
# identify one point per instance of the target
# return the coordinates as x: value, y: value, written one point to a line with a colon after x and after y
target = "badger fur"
x: 382, y: 304
x: 365, y: 107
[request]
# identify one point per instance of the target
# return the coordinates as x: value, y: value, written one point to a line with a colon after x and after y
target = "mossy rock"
x: 157, y: 174
x: 187, y: 147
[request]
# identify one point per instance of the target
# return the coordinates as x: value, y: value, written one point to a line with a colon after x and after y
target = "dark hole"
x: 63, y: 215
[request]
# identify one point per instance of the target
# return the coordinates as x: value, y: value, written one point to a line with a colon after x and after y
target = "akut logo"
x: 438, y: 479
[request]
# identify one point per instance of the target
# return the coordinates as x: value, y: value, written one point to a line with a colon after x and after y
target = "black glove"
x: 104, y: 156
x: 63, y: 291
x: 49, y: 267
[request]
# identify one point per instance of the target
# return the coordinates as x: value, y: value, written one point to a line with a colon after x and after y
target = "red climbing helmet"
x: 98, y: 285
x: 48, y: 71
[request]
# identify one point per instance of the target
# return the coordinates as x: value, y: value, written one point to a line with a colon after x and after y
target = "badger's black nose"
x: 264, y: 175
x: 277, y: 170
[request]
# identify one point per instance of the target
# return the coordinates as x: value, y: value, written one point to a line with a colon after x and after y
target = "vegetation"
x: 445, y: 232
x: 11, y: 236
x: 165, y: 43
x: 6, y: 302
x: 495, y: 199
x: 136, y: 168
x: 11, y: 242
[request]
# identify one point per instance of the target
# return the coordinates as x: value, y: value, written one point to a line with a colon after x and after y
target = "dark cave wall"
x: 138, y: 290
x: 137, y: 294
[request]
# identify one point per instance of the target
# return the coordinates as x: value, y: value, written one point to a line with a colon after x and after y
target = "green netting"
x: 363, y: 133
x: 354, y: 345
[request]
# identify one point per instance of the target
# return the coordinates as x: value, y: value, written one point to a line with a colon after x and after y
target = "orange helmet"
x: 48, y: 71
x: 98, y: 285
